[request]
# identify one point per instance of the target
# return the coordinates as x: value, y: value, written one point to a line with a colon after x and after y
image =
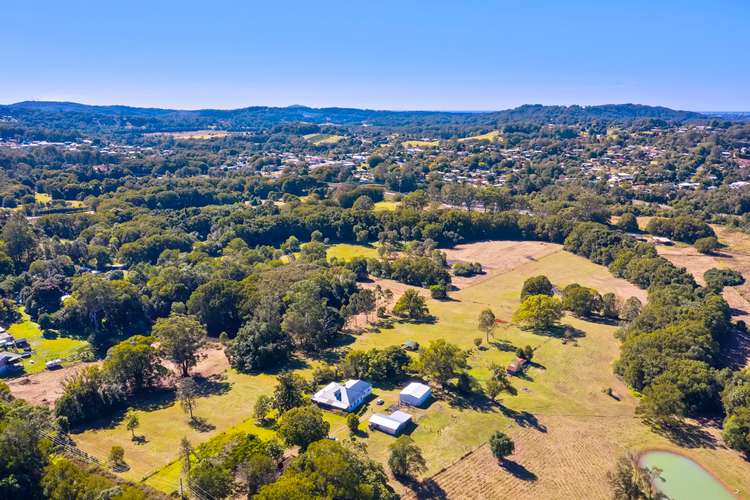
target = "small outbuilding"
x: 347, y: 397
x: 415, y: 394
x: 393, y: 424
x: 660, y: 240
x: 410, y: 345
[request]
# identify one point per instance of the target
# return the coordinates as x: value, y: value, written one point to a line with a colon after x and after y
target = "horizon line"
x: 365, y: 108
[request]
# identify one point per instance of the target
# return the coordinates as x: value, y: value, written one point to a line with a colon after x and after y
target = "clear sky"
x: 448, y: 55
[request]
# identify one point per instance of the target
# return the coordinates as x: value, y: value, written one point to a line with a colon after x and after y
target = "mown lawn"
x: 44, y: 349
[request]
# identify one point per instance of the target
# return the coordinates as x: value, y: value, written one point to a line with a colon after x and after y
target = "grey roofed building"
x: 415, y: 394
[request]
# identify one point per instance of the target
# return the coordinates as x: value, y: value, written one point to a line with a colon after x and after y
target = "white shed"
x: 415, y: 394
x: 391, y: 424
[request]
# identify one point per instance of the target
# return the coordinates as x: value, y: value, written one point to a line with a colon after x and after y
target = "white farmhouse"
x: 347, y: 397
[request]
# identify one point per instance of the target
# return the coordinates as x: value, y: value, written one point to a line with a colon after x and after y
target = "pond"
x: 683, y: 479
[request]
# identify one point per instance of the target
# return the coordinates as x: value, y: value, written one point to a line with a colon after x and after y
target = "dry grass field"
x: 568, y: 433
x: 319, y: 139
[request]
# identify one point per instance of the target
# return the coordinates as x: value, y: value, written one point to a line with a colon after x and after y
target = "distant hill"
x: 70, y: 115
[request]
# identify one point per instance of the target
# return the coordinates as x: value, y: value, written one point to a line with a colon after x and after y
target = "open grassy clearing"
x: 420, y: 144
x: 44, y: 349
x: 492, y: 136
x: 319, y: 139
x: 42, y: 198
x: 568, y: 432
x: 346, y: 251
x: 386, y: 206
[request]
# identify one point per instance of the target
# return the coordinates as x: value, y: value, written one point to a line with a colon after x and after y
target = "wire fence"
x: 64, y: 445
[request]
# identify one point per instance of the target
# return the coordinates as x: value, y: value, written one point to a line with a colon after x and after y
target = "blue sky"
x: 452, y: 55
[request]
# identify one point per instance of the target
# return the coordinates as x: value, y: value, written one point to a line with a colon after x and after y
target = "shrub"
x: 501, y: 445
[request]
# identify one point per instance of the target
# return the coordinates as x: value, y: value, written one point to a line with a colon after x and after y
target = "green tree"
x: 291, y: 245
x: 581, y: 301
x: 661, y: 404
x: 536, y: 285
x: 263, y: 405
x: 487, y: 322
x: 309, y: 321
x: 501, y: 445
x: 737, y: 430
x: 439, y: 291
x: 134, y: 364
x: 411, y: 305
x: 211, y: 479
x: 19, y: 239
x: 416, y: 200
x: 259, y: 345
x: 116, y: 456
x: 630, y: 481
x: 186, y: 452
x: 441, y: 361
x: 406, y: 459
x: 707, y: 245
x: 187, y: 393
x: 314, y: 251
x: 302, y: 426
x: 330, y: 470
x: 132, y: 423
x: 258, y: 470
x: 610, y: 306
x: 628, y: 223
x: 364, y: 202
x: 631, y: 309
x: 288, y: 392
x: 716, y: 279
x: 538, y: 312
x: 180, y: 340
x: 220, y: 305
x: 352, y: 422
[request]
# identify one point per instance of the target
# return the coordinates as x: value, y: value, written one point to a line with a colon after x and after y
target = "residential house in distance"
x: 415, y: 394
x: 393, y: 424
x: 8, y: 361
x: 347, y: 397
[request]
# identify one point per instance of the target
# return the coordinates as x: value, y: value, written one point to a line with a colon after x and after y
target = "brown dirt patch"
x: 497, y: 257
x: 46, y: 387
